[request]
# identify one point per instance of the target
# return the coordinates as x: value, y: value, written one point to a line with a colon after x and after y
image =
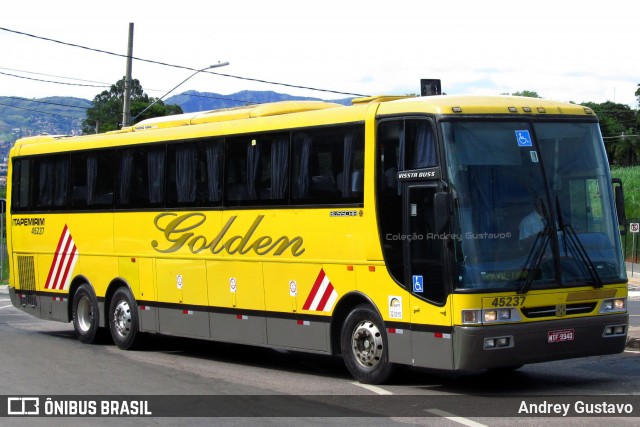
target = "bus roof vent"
x: 379, y: 98
x: 288, y: 107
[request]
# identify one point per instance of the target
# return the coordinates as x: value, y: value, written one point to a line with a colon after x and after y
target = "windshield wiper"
x: 536, y: 253
x: 577, y: 248
x: 535, y: 258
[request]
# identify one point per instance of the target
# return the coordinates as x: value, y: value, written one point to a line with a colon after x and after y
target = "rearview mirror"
x: 618, y: 192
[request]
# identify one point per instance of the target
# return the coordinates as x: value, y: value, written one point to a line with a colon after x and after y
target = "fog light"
x: 489, y: 343
x: 618, y: 330
x: 503, y: 342
x: 608, y: 330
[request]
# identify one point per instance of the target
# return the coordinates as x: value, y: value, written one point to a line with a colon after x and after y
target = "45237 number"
x: 516, y: 301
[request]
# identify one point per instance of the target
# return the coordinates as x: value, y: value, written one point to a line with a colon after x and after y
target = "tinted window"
x: 51, y: 182
x: 194, y: 171
x: 328, y: 166
x: 140, y: 177
x: 257, y: 170
x: 92, y: 179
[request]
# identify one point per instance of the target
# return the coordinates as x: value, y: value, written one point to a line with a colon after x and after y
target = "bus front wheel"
x: 85, y: 314
x: 123, y: 319
x: 364, y: 346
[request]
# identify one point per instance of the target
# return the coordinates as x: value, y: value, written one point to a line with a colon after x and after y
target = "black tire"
x: 85, y: 314
x: 123, y: 319
x: 364, y: 346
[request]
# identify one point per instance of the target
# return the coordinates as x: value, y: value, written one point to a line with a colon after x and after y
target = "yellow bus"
x: 450, y: 232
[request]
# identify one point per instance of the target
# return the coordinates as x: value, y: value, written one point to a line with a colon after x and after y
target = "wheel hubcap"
x: 367, y: 344
x: 122, y: 318
x: 84, y: 314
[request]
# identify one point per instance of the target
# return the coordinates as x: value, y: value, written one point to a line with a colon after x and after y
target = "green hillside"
x: 54, y: 115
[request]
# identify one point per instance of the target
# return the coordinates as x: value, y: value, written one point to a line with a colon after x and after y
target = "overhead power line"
x: 104, y: 84
x: 49, y: 81
x: 166, y: 64
x: 52, y: 75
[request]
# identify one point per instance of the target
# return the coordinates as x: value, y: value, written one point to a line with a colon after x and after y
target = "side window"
x: 389, y: 195
x: 140, y: 179
x: 420, y: 145
x: 328, y: 166
x: 51, y: 182
x: 257, y: 170
x: 194, y: 173
x: 402, y: 144
x: 20, y: 185
x: 92, y: 179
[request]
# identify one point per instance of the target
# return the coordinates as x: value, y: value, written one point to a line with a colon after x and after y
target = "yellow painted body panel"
x: 253, y: 259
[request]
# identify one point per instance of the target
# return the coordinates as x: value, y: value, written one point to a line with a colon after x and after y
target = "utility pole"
x: 126, y: 109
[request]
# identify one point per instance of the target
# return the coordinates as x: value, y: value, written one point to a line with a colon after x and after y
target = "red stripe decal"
x: 314, y: 290
x: 325, y: 297
x: 55, y: 257
x: 67, y: 267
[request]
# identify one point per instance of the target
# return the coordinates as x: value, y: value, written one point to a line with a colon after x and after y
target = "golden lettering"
x: 185, y: 231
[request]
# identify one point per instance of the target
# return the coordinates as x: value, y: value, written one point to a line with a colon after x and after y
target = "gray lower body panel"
x: 46, y: 307
x: 238, y: 328
x: 530, y: 343
x: 298, y: 334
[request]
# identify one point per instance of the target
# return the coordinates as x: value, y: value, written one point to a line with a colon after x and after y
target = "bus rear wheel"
x: 123, y: 319
x: 85, y: 314
x: 364, y: 346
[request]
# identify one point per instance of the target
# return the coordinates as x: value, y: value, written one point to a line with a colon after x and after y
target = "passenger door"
x: 424, y: 249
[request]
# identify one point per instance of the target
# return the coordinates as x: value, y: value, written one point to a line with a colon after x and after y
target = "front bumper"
x: 529, y: 342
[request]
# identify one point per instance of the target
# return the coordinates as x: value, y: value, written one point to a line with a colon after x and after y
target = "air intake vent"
x: 26, y: 280
x: 554, y: 311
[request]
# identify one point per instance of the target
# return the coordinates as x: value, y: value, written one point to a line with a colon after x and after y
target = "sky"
x: 565, y: 50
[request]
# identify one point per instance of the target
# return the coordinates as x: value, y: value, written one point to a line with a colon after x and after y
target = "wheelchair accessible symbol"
x: 418, y: 284
x: 524, y: 138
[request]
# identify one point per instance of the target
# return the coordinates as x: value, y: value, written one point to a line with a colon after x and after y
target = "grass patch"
x: 630, y: 177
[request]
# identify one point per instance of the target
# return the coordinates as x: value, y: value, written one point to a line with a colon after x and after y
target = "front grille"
x: 554, y: 311
x: 26, y: 280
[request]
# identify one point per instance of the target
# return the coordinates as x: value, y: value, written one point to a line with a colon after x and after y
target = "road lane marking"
x: 5, y: 306
x: 632, y: 351
x: 4, y: 300
x: 373, y: 388
x: 455, y: 418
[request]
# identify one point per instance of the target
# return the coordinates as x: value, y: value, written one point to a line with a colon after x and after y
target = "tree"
x: 106, y: 113
x: 527, y: 93
x: 618, y: 124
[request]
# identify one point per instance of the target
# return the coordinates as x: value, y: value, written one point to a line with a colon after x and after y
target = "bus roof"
x: 388, y: 105
x: 485, y: 105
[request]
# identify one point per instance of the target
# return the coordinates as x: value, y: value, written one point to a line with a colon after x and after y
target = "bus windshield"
x: 533, y: 205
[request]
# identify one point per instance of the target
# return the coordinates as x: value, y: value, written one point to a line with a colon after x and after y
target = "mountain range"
x: 63, y: 115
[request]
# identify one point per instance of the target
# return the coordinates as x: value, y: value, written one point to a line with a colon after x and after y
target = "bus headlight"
x: 471, y: 316
x: 614, y: 305
x: 499, y: 315
x: 493, y: 315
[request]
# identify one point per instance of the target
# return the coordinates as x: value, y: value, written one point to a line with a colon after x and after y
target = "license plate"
x: 560, y: 336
